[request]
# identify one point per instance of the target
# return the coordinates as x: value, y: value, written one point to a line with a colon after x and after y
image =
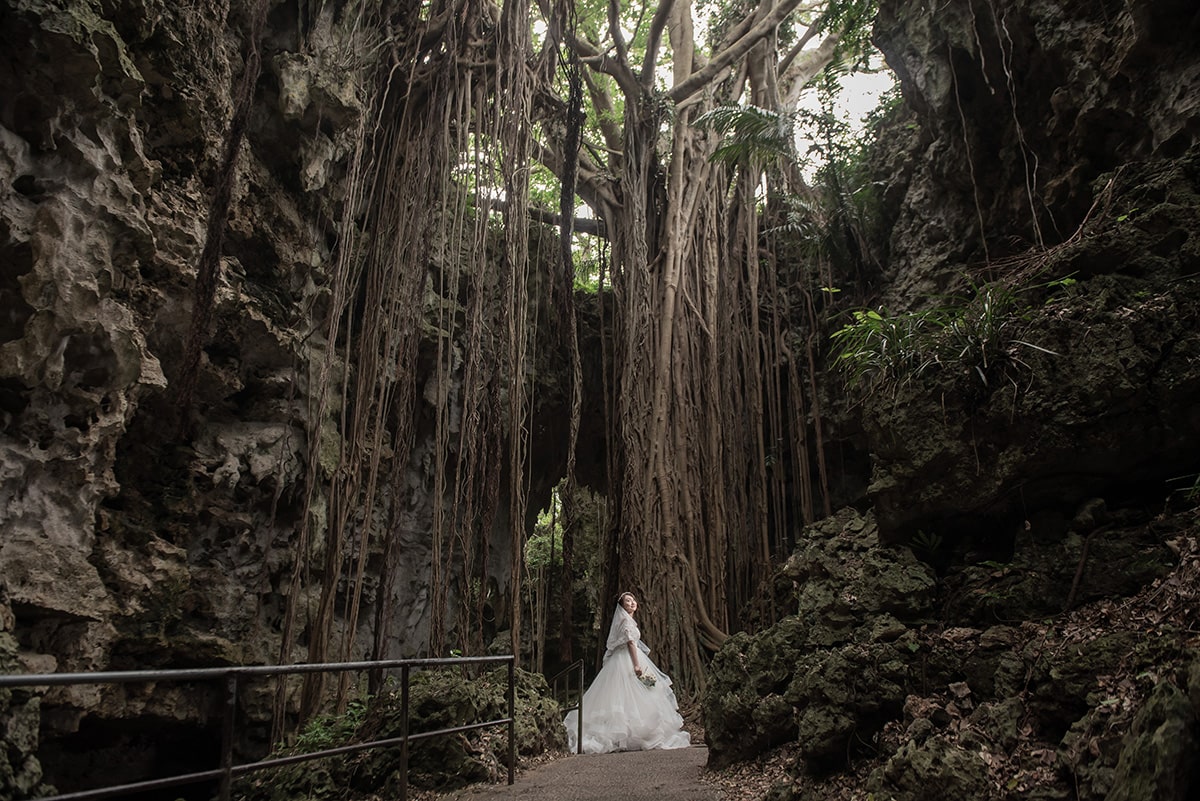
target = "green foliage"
x: 836, y: 222
x: 803, y: 220
x: 926, y: 544
x: 877, y: 348
x: 543, y: 549
x: 751, y: 134
x: 1187, y: 487
x: 888, y: 104
x: 330, y: 731
x: 1193, y: 492
x: 587, y: 270
x: 979, y: 335
x: 976, y: 335
x: 438, y: 699
x: 853, y: 19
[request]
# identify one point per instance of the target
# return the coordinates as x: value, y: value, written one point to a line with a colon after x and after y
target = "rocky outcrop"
x: 918, y: 701
x: 137, y: 533
x: 839, y: 665
x: 127, y: 545
x: 1020, y: 107
x: 1073, y: 371
x: 1038, y: 454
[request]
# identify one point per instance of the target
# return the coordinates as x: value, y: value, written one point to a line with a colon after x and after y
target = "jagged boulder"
x: 933, y: 770
x: 837, y: 666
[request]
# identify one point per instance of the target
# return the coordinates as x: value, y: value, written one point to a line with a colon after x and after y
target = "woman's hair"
x: 622, y: 595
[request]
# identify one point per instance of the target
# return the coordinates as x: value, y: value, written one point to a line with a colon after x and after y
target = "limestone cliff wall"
x: 1004, y: 622
x: 125, y: 543
x: 1045, y: 141
x: 1019, y: 108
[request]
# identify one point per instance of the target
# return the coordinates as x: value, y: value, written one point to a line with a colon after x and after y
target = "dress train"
x: 620, y: 713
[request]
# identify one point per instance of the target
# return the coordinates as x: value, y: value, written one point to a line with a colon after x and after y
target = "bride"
x: 630, y: 705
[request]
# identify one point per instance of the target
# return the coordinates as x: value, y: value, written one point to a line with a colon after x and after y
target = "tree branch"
x: 704, y: 76
x: 661, y: 15
x: 590, y: 184
x: 614, y: 30
x: 786, y: 61
x: 602, y: 104
x: 591, y: 55
x: 683, y: 42
x: 808, y: 65
x: 581, y: 225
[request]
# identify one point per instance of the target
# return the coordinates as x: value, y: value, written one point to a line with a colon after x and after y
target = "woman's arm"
x: 633, y: 654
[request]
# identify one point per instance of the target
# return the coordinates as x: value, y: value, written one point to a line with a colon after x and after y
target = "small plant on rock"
x: 979, y: 336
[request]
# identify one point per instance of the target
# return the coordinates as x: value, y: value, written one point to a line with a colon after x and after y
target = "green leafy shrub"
x: 437, y: 700
x: 979, y: 336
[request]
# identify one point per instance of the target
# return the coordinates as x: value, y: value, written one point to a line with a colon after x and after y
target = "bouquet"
x: 648, y: 680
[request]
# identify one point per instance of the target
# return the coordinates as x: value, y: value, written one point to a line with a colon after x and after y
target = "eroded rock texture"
x: 112, y: 126
x: 1044, y: 472
x: 1069, y: 135
x: 138, y: 532
x: 1020, y: 108
x: 883, y: 673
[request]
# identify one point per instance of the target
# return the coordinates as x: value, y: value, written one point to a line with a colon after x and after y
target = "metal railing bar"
x: 278, y: 762
x: 228, y: 723
x: 138, y: 787
x: 208, y: 674
x: 565, y: 671
x: 578, y: 705
x: 228, y: 771
x: 237, y: 771
x: 512, y: 720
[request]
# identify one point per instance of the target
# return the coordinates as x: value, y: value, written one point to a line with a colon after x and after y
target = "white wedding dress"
x: 620, y: 713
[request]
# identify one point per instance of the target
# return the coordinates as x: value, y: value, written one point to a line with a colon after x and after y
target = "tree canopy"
x: 671, y: 122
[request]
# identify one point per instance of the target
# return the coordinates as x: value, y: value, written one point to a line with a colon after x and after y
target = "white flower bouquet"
x: 648, y: 680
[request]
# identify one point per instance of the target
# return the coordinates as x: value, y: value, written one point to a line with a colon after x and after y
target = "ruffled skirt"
x: 620, y: 713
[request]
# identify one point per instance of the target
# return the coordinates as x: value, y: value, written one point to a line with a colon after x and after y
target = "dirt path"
x: 625, y: 776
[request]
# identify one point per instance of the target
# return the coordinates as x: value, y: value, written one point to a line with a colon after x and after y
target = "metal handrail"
x: 228, y: 771
x: 566, y: 673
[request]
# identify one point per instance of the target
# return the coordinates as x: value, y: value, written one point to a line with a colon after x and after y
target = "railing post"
x: 223, y: 774
x: 226, y: 786
x: 512, y: 717
x: 579, y: 714
x: 404, y: 733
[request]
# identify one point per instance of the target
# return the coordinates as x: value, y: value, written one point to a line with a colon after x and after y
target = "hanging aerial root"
x: 208, y: 267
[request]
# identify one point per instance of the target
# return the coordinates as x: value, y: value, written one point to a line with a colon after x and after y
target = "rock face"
x: 1021, y: 107
x: 128, y: 543
x: 880, y: 671
x: 1040, y: 184
x: 835, y: 666
x: 1077, y: 152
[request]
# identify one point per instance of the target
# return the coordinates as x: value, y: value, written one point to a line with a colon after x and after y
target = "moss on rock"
x: 934, y: 770
x: 437, y: 700
x: 839, y: 666
x: 1157, y: 761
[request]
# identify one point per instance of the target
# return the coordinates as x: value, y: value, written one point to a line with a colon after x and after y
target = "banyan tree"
x: 662, y: 127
